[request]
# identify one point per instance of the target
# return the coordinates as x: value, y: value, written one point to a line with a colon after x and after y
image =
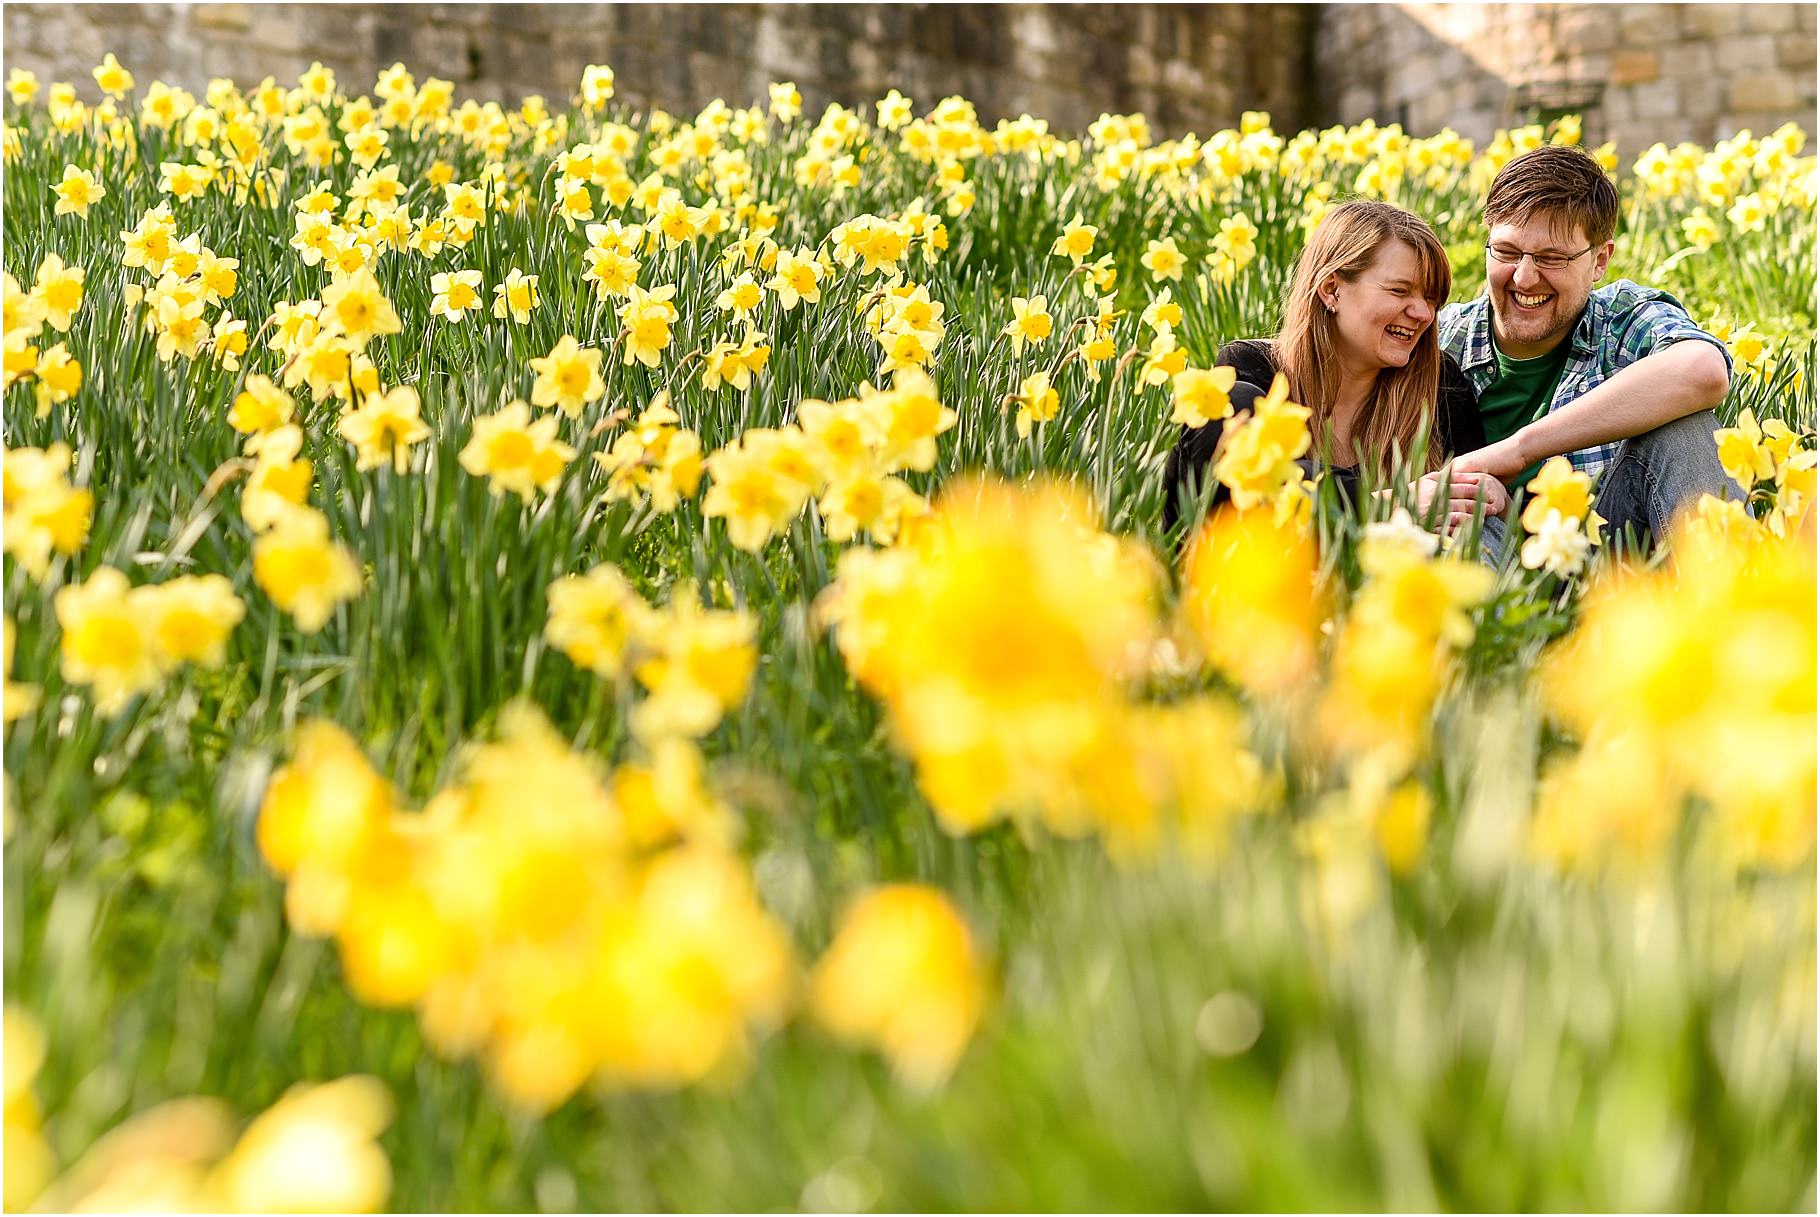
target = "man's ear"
x: 1602, y: 259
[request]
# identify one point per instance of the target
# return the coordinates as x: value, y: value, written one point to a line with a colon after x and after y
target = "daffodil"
x: 77, y: 192
x: 59, y: 289
x: 1257, y: 454
x: 355, y: 307
x: 113, y: 79
x: 903, y: 976
x: 1030, y: 322
x: 1742, y: 453
x: 567, y: 378
x: 1163, y: 259
x: 515, y: 453
x: 315, y: 1150
x: 1037, y: 402
x: 455, y: 294
x: 645, y: 320
x: 384, y: 428
x: 58, y: 376
x: 44, y: 513
x: 1201, y: 395
x: 1559, y: 487
x: 106, y: 641
x: 190, y: 618
x: 516, y: 296
x: 304, y: 572
x: 1076, y: 241
x: 598, y: 620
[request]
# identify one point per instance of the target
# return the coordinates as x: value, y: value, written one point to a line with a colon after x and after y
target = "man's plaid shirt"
x: 1622, y: 323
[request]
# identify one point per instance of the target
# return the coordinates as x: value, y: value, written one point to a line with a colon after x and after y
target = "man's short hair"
x: 1561, y: 183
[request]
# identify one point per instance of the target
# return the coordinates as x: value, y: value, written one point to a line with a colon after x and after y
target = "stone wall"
x: 1639, y: 72
x: 1187, y: 67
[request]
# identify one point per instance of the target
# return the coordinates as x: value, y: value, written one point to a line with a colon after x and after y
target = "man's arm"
x: 1689, y: 376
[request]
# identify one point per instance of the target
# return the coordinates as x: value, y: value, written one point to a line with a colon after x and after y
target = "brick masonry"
x: 1639, y: 72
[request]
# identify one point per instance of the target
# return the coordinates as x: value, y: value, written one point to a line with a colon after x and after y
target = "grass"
x: 1487, y: 1034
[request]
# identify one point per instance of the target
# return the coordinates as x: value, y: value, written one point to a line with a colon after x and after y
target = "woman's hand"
x: 1463, y: 492
x: 1504, y: 459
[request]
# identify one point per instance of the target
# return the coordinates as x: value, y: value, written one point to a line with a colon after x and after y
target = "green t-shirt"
x: 1519, y: 396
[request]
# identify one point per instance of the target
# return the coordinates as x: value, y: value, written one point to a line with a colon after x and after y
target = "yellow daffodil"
x: 304, y: 572
x: 516, y: 454
x: 903, y: 976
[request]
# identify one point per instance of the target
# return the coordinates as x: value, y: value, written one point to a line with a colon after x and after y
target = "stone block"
x: 222, y: 16
x: 1645, y: 24
x: 1635, y: 67
x: 714, y: 76
x: 1746, y: 53
x: 1708, y: 20
x: 1687, y: 59
x: 1762, y: 91
x: 1657, y: 99
x: 1589, y: 68
x: 276, y: 31
x: 1796, y: 52
x: 1590, y: 29
x: 1767, y: 18
x: 1702, y: 96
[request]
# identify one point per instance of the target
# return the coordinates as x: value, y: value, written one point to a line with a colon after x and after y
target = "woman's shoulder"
x: 1454, y: 381
x: 1250, y: 357
x: 1462, y: 430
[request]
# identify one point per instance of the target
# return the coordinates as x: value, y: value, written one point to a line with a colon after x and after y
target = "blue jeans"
x: 1654, y: 475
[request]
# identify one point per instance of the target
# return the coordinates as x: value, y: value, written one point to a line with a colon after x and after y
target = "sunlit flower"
x: 384, y: 428
x: 355, y: 307
x: 516, y: 296
x: 106, y: 640
x: 44, y: 513
x: 1037, y: 402
x: 903, y: 976
x: 455, y: 294
x: 114, y: 80
x: 516, y: 454
x: 1030, y: 322
x: 59, y: 289
x: 260, y: 406
x: 567, y: 378
x: 1557, y: 546
x: 313, y: 1151
x: 1201, y: 395
x: 77, y: 192
x: 1076, y: 241
x: 1163, y: 260
x: 304, y: 572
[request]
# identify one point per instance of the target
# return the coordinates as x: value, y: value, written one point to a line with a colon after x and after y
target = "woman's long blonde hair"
x: 1345, y: 244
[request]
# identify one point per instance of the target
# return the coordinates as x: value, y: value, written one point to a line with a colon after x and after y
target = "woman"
x: 1359, y: 349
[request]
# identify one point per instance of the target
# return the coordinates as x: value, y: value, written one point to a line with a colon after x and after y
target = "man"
x: 1618, y: 379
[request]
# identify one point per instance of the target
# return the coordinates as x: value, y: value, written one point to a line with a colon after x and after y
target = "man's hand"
x: 1464, y: 491
x: 1504, y: 459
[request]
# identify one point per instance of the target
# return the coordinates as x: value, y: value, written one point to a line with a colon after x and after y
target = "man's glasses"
x: 1548, y: 261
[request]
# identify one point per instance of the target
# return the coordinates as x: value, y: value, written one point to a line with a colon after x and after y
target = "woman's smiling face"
x: 1379, y: 316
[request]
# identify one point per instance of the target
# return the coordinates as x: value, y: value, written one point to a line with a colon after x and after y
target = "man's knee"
x: 1679, y: 462
x: 1689, y: 437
